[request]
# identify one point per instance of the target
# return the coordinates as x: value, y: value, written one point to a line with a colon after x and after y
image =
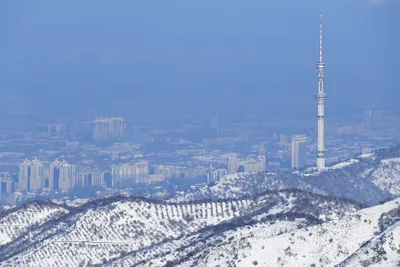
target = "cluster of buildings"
x: 214, y: 175
x: 61, y: 176
x: 108, y: 129
x: 246, y: 165
x: 127, y: 174
x: 58, y: 175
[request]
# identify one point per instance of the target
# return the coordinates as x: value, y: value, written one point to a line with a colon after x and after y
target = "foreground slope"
x: 369, y: 237
x: 362, y: 238
x: 383, y: 249
x: 129, y: 231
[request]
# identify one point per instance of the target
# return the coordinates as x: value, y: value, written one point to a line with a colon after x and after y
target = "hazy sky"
x: 206, y: 54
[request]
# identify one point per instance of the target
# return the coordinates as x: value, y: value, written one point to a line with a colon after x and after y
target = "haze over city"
x: 143, y: 56
x: 181, y: 133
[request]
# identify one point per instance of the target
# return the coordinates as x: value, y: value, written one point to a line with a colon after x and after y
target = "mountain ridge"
x: 122, y: 225
x: 308, y: 218
x: 368, y: 179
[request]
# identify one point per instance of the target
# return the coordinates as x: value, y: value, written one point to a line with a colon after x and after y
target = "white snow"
x: 327, y: 244
x: 387, y: 176
x: 155, y: 228
x: 367, y: 155
x: 16, y: 223
x: 343, y: 164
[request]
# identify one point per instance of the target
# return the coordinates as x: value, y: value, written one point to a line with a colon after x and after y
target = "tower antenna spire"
x: 320, y: 37
x: 320, y: 96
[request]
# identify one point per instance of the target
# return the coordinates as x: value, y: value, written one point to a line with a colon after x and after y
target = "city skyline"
x: 222, y: 138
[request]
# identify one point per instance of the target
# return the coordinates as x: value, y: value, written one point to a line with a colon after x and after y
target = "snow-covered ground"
x: 110, y: 231
x: 19, y: 221
x: 387, y: 175
x: 342, y: 164
x: 327, y: 244
x: 247, y: 219
x: 368, y: 179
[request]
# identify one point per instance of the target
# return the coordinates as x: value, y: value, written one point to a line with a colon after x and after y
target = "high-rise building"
x: 128, y: 174
x: 168, y: 171
x: 108, y: 129
x: 213, y: 175
x: 142, y: 172
x: 232, y: 163
x: 24, y: 175
x: 299, y: 151
x: 263, y: 153
x: 261, y: 163
x: 90, y: 179
x: 68, y: 174
x: 320, y: 96
x: 62, y: 175
x: 54, y: 174
x: 37, y: 175
x: 252, y: 165
x: 122, y: 174
x: 7, y: 189
x: 31, y: 175
x: 7, y: 185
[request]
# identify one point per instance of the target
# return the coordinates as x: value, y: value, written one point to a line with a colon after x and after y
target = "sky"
x: 203, y: 55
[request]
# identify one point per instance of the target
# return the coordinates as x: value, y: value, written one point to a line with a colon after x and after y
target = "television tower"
x: 320, y: 96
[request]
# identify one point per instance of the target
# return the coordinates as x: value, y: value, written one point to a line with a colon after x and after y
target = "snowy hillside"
x: 368, y: 179
x: 128, y: 231
x: 271, y: 219
x: 19, y: 221
x: 364, y: 238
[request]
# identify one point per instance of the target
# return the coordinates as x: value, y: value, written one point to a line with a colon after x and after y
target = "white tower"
x: 320, y: 96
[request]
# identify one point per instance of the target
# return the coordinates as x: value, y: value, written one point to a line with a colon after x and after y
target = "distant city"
x: 109, y: 154
x: 112, y: 155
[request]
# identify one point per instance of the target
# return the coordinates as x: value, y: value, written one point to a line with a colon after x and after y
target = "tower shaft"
x: 320, y: 96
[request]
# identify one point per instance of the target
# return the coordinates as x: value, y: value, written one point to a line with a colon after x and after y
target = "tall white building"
x: 85, y: 179
x: 232, y: 163
x: 213, y: 175
x: 54, y: 174
x: 130, y: 173
x: 68, y: 174
x: 299, y: 151
x: 253, y: 165
x: 108, y: 129
x: 62, y: 175
x: 31, y: 175
x: 37, y: 175
x: 320, y: 96
x: 168, y: 171
x: 7, y: 185
x: 24, y: 175
x: 142, y: 172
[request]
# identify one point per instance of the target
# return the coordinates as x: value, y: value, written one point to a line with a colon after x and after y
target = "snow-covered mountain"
x: 134, y: 231
x: 369, y: 237
x: 368, y: 179
x: 273, y: 219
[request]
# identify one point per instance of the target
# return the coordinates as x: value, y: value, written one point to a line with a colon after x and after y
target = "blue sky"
x: 200, y: 53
